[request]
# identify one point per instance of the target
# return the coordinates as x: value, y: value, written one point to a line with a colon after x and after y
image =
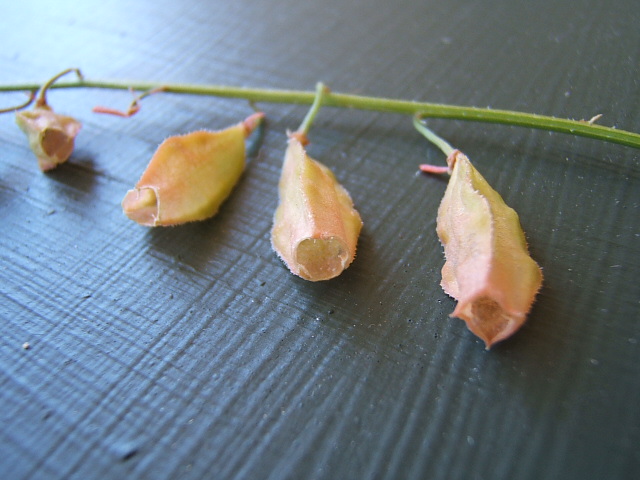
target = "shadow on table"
x: 78, y: 173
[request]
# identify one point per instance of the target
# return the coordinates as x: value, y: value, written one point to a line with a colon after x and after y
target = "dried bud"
x: 316, y: 227
x: 190, y: 176
x: 488, y: 268
x: 51, y: 136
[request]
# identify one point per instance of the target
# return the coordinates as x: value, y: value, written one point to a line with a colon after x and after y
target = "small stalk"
x: 25, y: 104
x: 41, y: 101
x: 134, y: 106
x: 439, y: 142
x: 303, y: 129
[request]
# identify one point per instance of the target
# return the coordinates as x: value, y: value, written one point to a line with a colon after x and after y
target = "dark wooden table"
x: 191, y: 352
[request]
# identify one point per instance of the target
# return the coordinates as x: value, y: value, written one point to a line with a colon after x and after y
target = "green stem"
x: 42, y: 97
x: 437, y: 140
x: 321, y: 90
x: 431, y: 110
x: 25, y: 104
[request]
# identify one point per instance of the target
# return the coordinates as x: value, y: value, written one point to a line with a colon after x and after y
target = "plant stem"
x: 431, y: 110
x: 303, y: 130
x: 437, y: 140
x: 25, y: 104
x: 42, y: 97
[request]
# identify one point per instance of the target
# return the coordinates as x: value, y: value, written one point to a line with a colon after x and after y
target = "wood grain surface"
x: 192, y: 352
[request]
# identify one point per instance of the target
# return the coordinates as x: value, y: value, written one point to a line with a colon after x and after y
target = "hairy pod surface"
x: 488, y: 269
x: 189, y: 176
x: 316, y: 226
x: 51, y: 135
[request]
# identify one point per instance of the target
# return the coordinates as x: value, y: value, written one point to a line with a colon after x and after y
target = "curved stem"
x: 134, y: 106
x: 25, y: 104
x: 425, y: 109
x: 42, y: 99
x: 304, y: 127
x: 437, y: 140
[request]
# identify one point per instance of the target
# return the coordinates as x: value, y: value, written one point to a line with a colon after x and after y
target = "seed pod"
x: 488, y: 268
x: 316, y: 227
x: 51, y: 136
x: 190, y: 176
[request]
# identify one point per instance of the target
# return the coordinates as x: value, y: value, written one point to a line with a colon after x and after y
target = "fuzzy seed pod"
x: 51, y: 136
x: 488, y: 268
x: 316, y: 227
x: 190, y: 176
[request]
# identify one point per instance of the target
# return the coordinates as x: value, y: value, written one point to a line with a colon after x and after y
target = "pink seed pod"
x: 316, y: 227
x: 51, y: 136
x: 190, y: 176
x: 488, y: 268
